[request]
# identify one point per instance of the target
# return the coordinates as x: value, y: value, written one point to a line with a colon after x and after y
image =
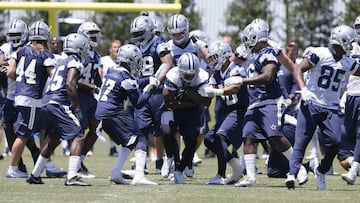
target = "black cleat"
x: 76, y: 181
x: 34, y: 180
x: 290, y: 182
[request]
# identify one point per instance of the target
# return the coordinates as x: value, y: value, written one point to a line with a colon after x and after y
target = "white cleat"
x: 247, y: 183
x: 196, y: 160
x: 179, y: 177
x: 15, y: 174
x: 142, y: 181
x: 320, y: 180
x: 216, y: 180
x: 168, y: 167
x: 290, y: 182
x: 118, y: 180
x: 349, y: 178
x: 302, y: 175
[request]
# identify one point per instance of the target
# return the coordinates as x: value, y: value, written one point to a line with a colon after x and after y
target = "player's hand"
x: 210, y: 92
x: 154, y: 81
x: 197, y: 41
x: 234, y: 80
x: 306, y: 94
x: 180, y: 94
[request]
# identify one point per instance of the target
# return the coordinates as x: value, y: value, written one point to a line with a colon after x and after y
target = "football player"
x: 157, y: 62
x: 328, y: 68
x: 89, y: 83
x: 62, y: 110
x: 351, y: 120
x: 181, y: 96
x: 119, y: 124
x: 230, y: 108
x: 180, y: 43
x: 29, y: 66
x: 262, y: 118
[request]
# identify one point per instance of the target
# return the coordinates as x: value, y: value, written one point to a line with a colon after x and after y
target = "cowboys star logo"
x: 273, y: 127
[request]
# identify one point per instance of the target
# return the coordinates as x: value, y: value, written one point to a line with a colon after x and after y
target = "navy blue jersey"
x: 56, y: 86
x: 258, y: 93
x: 151, y: 54
x: 118, y: 85
x: 226, y: 104
x: 91, y: 65
x: 31, y: 71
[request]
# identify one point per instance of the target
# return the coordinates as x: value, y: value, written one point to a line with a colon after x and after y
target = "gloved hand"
x: 153, y: 83
x: 96, y: 90
x: 234, y: 80
x: 197, y: 41
x: 242, y: 52
x: 210, y: 92
x: 77, y: 113
x: 306, y: 94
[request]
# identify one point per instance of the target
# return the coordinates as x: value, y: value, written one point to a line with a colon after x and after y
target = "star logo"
x: 273, y: 127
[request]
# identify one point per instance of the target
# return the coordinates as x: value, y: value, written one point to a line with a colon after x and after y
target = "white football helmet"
x: 252, y: 34
x: 93, y: 31
x: 17, y: 33
x: 131, y: 55
x: 77, y: 43
x: 218, y: 53
x: 39, y: 31
x: 198, y: 34
x: 142, y: 28
x: 178, y: 28
x: 357, y: 25
x: 158, y: 26
x: 344, y: 36
x: 189, y: 66
x: 262, y: 23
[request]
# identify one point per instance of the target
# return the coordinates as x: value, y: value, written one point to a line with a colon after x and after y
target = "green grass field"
x: 269, y: 190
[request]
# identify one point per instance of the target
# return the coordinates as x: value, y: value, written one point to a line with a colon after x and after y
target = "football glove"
x: 234, y: 80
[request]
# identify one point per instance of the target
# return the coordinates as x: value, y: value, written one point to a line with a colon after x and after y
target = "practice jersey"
x: 118, y: 85
x: 228, y: 103
x: 260, y: 94
x: 31, y: 73
x: 353, y: 87
x: 91, y: 65
x: 7, y: 49
x: 56, y: 91
x: 176, y: 51
x: 107, y: 63
x: 174, y: 83
x: 327, y: 75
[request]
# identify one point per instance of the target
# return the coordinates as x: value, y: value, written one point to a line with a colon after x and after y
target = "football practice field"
x: 100, y: 164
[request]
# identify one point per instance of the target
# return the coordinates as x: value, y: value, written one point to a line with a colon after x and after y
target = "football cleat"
x: 142, y: 181
x: 168, y: 167
x: 76, y: 181
x: 247, y: 183
x: 34, y: 180
x: 216, y: 180
x: 196, y: 160
x: 320, y: 180
x: 290, y: 182
x: 84, y: 172
x: 15, y: 174
x: 179, y: 177
x: 113, y: 152
x: 349, y: 177
x: 55, y: 172
x: 158, y: 165
x: 118, y: 180
x: 189, y: 172
x: 302, y: 175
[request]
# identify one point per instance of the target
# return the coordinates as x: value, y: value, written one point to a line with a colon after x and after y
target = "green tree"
x: 352, y: 11
x: 114, y: 25
x: 241, y: 13
x: 310, y: 21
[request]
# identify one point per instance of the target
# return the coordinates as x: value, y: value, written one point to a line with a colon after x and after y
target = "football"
x: 181, y: 96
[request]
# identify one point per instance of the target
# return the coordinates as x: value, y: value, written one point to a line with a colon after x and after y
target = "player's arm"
x: 71, y: 84
x: 304, y: 66
x: 266, y: 77
x: 11, y: 72
x: 197, y: 98
x: 286, y: 61
x: 173, y: 100
x: 166, y: 59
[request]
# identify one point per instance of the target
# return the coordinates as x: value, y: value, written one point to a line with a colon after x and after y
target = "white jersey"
x: 326, y: 77
x: 107, y: 62
x: 8, y: 50
x: 177, y: 51
x: 174, y: 82
x: 353, y: 87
